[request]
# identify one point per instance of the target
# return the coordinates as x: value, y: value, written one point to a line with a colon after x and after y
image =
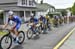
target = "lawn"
x: 2, y: 33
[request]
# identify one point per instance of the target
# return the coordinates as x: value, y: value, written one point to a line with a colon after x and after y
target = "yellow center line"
x: 64, y: 39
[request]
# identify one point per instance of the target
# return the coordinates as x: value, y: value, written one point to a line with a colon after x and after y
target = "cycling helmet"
x: 32, y: 14
x: 10, y: 13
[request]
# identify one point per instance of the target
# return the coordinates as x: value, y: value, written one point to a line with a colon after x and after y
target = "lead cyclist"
x: 15, y: 27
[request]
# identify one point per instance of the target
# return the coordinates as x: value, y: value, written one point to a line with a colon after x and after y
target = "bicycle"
x: 43, y: 27
x: 32, y: 30
x: 8, y: 39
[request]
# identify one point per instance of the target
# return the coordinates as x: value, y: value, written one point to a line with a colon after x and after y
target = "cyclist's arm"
x: 6, y: 23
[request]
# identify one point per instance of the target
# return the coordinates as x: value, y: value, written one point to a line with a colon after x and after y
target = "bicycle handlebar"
x: 4, y: 29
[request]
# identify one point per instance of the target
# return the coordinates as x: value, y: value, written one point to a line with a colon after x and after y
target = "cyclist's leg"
x: 12, y: 31
x: 34, y: 28
x: 16, y: 30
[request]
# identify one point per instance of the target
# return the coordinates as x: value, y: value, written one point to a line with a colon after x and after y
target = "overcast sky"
x: 60, y: 3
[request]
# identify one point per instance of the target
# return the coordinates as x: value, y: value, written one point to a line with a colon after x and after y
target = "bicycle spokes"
x: 21, y: 37
x: 6, y: 40
x: 5, y: 43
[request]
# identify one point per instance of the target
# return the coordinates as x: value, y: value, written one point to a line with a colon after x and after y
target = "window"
x: 26, y: 2
x: 30, y: 2
x: 34, y: 13
x: 21, y: 13
x: 27, y: 13
x: 23, y: 2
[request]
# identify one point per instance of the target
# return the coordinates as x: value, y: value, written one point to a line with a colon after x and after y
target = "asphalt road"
x: 69, y: 43
x: 46, y: 41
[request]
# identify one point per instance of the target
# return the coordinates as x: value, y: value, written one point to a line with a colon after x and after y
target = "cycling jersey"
x: 34, y: 20
x: 17, y: 20
x: 43, y: 19
x: 47, y: 17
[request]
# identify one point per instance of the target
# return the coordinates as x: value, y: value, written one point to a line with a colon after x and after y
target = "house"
x: 62, y: 11
x: 69, y: 13
x: 20, y: 7
x: 24, y: 8
x: 45, y: 8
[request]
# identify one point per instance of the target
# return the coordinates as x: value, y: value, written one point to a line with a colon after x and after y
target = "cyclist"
x: 43, y: 21
x: 48, y: 20
x: 34, y: 22
x: 32, y: 19
x: 15, y: 28
x: 56, y: 18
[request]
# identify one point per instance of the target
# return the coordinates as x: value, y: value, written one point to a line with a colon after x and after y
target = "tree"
x: 73, y: 9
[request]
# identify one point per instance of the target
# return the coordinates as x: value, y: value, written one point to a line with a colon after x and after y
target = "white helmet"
x: 32, y: 14
x: 10, y: 12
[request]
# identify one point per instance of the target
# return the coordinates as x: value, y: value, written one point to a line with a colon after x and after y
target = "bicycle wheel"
x: 40, y: 30
x: 37, y: 31
x: 45, y: 30
x: 6, y: 42
x: 21, y: 37
x: 29, y: 34
x: 49, y: 27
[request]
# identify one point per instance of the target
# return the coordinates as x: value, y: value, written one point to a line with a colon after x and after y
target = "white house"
x: 45, y: 8
x: 68, y: 13
x: 20, y: 7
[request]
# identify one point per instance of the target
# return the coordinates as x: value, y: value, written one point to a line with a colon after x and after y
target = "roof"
x: 55, y: 13
x: 17, y: 8
x: 59, y: 10
x: 8, y: 1
x: 44, y: 6
x: 12, y: 5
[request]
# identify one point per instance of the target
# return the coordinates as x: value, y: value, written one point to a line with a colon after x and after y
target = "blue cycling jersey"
x: 43, y: 19
x: 15, y: 19
x: 35, y: 20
